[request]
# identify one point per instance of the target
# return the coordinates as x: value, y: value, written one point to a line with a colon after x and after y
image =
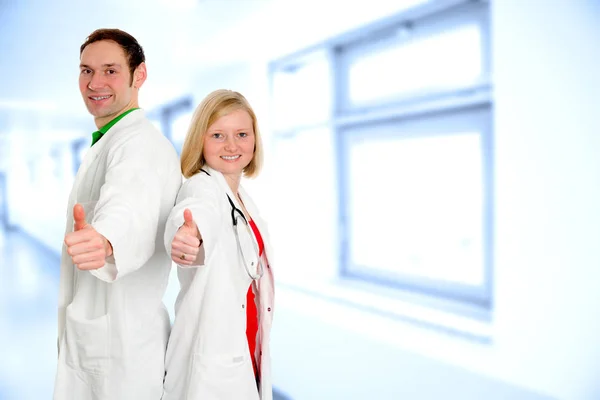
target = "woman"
x: 219, y: 345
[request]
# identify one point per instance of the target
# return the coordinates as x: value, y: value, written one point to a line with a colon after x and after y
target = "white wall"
x: 546, y: 330
x: 548, y: 190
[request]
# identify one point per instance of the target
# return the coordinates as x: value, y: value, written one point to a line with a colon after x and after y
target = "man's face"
x: 104, y: 81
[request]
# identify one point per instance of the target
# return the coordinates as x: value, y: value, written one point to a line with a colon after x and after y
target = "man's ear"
x: 139, y: 75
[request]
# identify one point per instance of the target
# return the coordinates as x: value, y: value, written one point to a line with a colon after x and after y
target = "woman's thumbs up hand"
x: 186, y: 243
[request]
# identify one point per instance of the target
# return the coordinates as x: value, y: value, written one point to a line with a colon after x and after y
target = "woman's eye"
x: 217, y: 135
x: 243, y: 134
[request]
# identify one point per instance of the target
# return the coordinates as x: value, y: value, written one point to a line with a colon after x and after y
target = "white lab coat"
x: 208, y: 356
x: 112, y: 325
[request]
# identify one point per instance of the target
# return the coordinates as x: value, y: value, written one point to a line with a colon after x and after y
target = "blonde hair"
x: 214, y: 106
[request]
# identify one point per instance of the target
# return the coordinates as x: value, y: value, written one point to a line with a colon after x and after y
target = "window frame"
x: 476, y: 115
x: 472, y: 302
x: 423, y: 27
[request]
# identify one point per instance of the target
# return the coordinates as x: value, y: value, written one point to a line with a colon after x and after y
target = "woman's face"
x: 229, y: 143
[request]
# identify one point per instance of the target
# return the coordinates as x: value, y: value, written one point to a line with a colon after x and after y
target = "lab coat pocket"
x: 86, y: 343
x: 223, y: 377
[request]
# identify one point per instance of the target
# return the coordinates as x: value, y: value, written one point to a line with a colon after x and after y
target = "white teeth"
x: 100, y: 98
x: 230, y: 157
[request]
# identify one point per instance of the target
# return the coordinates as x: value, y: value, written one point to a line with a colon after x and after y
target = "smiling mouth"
x: 230, y: 158
x: 98, y: 98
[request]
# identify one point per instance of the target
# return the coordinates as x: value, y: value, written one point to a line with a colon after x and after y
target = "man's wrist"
x: 107, y: 247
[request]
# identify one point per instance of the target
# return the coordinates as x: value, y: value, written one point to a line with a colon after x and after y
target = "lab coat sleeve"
x: 128, y: 210
x: 200, y: 196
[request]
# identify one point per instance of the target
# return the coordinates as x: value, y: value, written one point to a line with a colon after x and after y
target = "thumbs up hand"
x: 88, y: 249
x: 79, y: 218
x: 186, y: 243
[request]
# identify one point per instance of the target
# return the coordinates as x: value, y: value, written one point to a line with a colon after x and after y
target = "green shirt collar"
x: 99, y: 133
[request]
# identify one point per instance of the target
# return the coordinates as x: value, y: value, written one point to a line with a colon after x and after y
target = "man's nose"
x: 96, y: 82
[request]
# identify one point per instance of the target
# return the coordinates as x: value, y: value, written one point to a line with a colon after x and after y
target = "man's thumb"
x: 189, y: 220
x: 79, y: 217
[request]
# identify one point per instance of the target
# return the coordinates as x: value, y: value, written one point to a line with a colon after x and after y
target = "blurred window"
x: 407, y: 106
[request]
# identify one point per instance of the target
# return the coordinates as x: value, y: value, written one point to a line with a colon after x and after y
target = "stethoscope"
x: 236, y: 215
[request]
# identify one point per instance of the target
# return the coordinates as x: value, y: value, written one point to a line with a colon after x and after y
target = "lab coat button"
x: 269, y: 309
x: 243, y: 306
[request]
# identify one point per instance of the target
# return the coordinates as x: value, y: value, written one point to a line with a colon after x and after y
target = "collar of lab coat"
x: 119, y: 128
x: 250, y: 206
x: 248, y: 203
x: 116, y: 131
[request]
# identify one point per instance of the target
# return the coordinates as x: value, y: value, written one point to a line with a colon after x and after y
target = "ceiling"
x: 40, y: 40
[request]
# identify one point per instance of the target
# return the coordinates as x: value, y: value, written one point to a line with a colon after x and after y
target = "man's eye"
x: 85, y: 71
x: 111, y: 71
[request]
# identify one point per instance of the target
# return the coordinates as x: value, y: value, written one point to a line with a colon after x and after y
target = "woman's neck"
x: 234, y: 185
x: 233, y: 182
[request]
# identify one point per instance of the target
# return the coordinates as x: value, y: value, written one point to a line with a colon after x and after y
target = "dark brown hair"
x: 133, y: 51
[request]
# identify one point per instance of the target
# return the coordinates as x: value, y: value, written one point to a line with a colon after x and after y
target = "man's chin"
x: 98, y: 113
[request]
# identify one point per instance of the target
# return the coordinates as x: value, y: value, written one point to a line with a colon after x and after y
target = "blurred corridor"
x: 28, y: 293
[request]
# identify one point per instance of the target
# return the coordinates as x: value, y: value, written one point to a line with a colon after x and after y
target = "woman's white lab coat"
x: 208, y: 356
x: 112, y: 325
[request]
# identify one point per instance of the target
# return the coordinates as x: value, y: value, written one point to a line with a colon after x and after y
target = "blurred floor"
x: 28, y: 295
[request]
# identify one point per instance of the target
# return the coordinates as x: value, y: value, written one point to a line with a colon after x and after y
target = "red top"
x: 251, y: 311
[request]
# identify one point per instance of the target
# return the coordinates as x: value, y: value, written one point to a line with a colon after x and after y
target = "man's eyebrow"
x: 103, y: 65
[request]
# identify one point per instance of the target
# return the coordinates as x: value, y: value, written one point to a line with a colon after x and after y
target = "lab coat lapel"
x: 223, y: 184
x: 260, y: 223
x: 88, y: 160
x: 93, y: 153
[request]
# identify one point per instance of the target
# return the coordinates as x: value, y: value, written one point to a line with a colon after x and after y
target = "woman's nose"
x: 230, y: 143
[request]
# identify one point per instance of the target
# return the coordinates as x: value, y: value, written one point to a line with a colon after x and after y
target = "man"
x: 112, y: 324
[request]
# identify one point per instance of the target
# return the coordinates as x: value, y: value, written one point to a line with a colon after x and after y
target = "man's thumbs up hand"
x: 186, y: 243
x: 79, y: 217
x: 88, y: 249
